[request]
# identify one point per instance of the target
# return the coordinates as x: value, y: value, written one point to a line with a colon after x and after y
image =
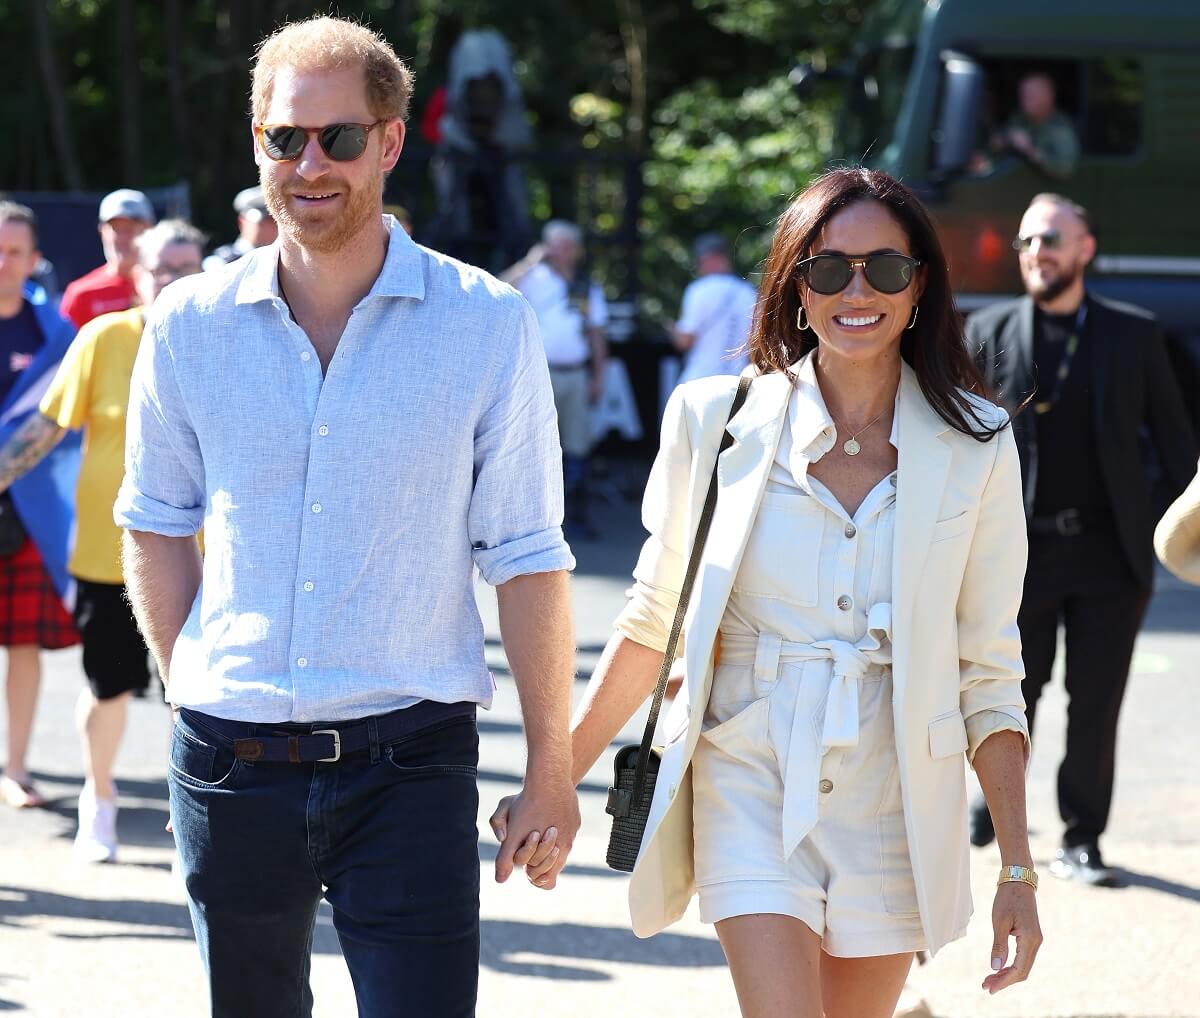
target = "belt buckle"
x: 337, y: 745
x: 1067, y: 523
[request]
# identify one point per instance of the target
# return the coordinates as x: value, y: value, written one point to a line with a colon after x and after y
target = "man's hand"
x: 536, y: 829
x: 1021, y: 140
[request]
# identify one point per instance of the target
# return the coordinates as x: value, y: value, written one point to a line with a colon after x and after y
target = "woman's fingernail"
x: 996, y: 963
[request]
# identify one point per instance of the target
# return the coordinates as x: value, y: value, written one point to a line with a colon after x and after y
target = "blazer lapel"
x: 923, y: 467
x: 1022, y: 376
x: 742, y: 471
x: 1096, y: 334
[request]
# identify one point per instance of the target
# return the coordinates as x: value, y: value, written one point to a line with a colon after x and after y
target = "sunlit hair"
x: 934, y: 348
x: 562, y: 229
x: 151, y: 242
x: 1063, y: 202
x: 13, y: 212
x: 331, y: 44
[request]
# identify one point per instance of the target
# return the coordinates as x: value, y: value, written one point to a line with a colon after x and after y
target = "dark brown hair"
x: 934, y: 348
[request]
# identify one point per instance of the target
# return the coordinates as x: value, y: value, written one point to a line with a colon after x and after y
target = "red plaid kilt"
x: 31, y: 612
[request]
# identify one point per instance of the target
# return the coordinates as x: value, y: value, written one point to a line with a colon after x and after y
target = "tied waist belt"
x: 832, y: 691
x: 326, y: 742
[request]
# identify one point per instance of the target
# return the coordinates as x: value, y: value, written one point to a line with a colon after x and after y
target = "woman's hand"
x: 538, y: 853
x: 1014, y: 914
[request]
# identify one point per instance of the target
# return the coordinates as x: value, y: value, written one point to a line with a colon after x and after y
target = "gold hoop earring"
x: 801, y: 319
x: 913, y: 321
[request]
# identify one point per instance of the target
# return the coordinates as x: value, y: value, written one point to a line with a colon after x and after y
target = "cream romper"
x: 797, y: 806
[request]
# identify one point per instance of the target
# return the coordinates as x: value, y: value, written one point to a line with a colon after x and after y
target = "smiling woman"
x: 903, y: 249
x: 851, y: 633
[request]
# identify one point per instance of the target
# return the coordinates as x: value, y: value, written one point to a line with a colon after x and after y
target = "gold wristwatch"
x: 1021, y: 874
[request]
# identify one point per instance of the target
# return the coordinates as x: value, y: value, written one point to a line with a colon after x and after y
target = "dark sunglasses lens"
x: 889, y: 273
x: 343, y: 142
x: 283, y: 143
x: 828, y: 274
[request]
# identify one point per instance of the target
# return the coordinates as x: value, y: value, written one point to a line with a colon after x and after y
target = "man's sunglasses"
x: 831, y: 273
x: 1051, y: 239
x: 343, y: 143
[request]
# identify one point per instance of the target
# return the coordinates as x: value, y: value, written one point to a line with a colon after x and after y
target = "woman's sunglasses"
x: 343, y: 143
x: 831, y: 273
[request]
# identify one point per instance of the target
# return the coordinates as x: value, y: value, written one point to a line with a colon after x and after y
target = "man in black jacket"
x: 1096, y: 377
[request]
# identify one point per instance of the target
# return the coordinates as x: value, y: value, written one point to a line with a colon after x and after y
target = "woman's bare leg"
x: 863, y: 987
x: 776, y: 965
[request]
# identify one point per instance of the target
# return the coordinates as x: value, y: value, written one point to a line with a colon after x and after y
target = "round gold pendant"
x: 852, y: 447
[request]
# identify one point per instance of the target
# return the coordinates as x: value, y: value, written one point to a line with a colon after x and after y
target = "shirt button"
x: 826, y: 786
x: 850, y: 530
x: 308, y: 584
x: 323, y: 430
x: 302, y: 662
x: 316, y: 507
x: 306, y: 356
x: 845, y: 603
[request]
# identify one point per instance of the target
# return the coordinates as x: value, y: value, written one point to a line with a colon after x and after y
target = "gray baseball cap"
x: 126, y: 203
x: 250, y: 200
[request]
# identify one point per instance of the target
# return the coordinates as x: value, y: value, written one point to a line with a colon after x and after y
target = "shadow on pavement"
x: 504, y: 941
x: 1129, y: 878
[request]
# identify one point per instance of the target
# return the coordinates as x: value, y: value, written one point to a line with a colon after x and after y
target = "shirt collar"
x: 813, y: 431
x: 401, y: 275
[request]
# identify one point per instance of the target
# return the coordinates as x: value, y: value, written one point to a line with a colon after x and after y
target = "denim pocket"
x: 448, y: 748
x: 199, y: 762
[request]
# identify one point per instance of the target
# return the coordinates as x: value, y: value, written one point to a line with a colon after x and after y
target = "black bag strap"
x: 685, y: 593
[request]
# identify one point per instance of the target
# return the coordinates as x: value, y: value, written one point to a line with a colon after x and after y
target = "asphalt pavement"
x: 116, y: 940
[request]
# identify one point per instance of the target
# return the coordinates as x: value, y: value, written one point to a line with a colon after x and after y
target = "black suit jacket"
x: 1133, y: 389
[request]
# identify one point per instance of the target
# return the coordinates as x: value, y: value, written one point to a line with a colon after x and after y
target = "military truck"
x: 929, y: 80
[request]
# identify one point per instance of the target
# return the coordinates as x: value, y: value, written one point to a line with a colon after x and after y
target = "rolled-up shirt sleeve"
x: 163, y: 488
x: 989, y: 642
x: 658, y: 576
x: 516, y: 512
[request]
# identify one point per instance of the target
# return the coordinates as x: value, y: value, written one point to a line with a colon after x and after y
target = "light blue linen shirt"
x: 343, y: 515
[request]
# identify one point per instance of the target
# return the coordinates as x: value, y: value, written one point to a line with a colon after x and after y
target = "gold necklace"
x: 851, y: 446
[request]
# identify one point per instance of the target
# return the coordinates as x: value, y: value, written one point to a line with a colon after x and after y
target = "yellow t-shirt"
x: 91, y: 391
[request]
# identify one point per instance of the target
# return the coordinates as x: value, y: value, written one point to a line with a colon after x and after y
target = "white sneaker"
x: 96, y: 839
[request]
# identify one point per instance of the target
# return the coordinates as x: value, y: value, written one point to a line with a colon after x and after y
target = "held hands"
x: 536, y: 829
x: 1014, y: 913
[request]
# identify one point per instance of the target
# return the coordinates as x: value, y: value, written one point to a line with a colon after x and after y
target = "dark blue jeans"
x: 390, y: 834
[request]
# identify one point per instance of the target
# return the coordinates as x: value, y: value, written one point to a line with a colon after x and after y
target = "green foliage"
x: 724, y: 143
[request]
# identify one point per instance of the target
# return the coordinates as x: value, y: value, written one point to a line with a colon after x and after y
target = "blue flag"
x: 45, y: 496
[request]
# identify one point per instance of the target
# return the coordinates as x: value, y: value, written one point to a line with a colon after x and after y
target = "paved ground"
x: 116, y: 940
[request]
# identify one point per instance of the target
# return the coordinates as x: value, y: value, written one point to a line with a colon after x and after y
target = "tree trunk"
x: 56, y: 100
x: 129, y: 52
x: 181, y: 127
x: 633, y: 37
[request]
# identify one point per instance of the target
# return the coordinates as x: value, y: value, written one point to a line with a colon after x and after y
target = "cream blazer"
x: 959, y: 565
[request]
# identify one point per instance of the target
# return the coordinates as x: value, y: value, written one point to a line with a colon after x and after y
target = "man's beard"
x: 1048, y: 291
x: 329, y: 234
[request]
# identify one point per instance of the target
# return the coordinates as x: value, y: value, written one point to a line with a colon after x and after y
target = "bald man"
x: 1096, y: 376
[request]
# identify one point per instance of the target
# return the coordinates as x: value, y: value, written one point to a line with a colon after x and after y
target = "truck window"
x: 1113, y: 94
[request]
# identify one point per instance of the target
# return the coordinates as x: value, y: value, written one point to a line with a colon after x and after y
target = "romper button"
x: 671, y: 792
x: 844, y: 603
x: 826, y: 786
x: 850, y: 531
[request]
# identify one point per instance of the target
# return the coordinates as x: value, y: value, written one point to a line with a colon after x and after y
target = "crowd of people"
x: 870, y: 523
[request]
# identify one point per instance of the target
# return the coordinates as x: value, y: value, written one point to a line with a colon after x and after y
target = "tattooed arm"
x: 33, y: 439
